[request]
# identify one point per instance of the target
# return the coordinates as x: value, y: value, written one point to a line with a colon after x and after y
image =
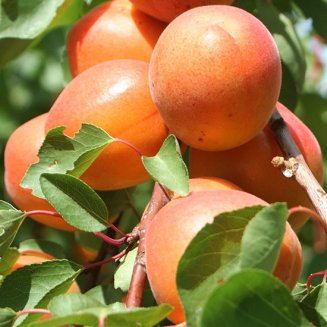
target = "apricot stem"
x: 135, y: 292
x: 139, y: 152
x: 117, y: 230
x: 314, y: 275
x: 35, y: 311
x: 302, y: 174
x: 112, y: 259
x: 133, y: 147
x: 310, y: 212
x: 42, y: 212
x: 111, y: 240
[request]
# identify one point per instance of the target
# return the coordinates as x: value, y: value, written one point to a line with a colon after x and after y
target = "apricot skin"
x: 115, y: 97
x: 215, y: 76
x: 180, y: 220
x: 208, y: 183
x: 112, y: 30
x: 167, y: 10
x: 249, y: 166
x: 20, y: 152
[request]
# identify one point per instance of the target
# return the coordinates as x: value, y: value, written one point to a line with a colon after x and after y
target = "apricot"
x: 112, y: 30
x: 20, y: 152
x: 167, y: 10
x: 215, y: 76
x: 180, y: 220
x: 208, y: 183
x: 114, y: 96
x: 249, y: 166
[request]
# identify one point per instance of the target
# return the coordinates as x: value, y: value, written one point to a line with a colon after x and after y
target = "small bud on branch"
x: 302, y: 173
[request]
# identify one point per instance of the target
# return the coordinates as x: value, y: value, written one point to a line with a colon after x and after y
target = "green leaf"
x: 216, y: 249
x: 8, y: 260
x: 75, y: 201
x: 10, y: 221
x: 43, y: 246
x: 314, y: 305
x: 19, y: 29
x: 83, y: 310
x: 252, y: 298
x: 288, y: 43
x: 124, y: 272
x: 168, y: 168
x: 105, y: 294
x: 7, y: 317
x: 317, y: 10
x: 263, y: 238
x: 67, y: 304
x: 33, y: 286
x: 26, y: 19
x: 299, y: 291
x: 62, y: 154
x: 6, y: 206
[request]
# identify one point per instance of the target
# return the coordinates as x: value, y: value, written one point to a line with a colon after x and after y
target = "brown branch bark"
x: 135, y: 292
x: 299, y: 170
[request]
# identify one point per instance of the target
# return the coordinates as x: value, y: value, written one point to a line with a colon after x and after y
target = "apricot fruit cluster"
x: 212, y: 77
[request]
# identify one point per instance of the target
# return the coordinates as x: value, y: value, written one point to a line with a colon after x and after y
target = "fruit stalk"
x: 135, y: 292
x: 300, y: 170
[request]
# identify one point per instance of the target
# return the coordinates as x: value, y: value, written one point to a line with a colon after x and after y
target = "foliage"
x: 234, y: 276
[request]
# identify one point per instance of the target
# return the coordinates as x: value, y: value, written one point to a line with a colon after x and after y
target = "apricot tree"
x: 162, y: 91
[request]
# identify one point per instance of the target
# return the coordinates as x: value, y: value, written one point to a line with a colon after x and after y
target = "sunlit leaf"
x: 168, y: 167
x: 62, y: 154
x: 75, y: 201
x: 33, y: 286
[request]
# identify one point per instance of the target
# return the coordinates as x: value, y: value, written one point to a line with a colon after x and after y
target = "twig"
x: 112, y: 259
x: 135, y: 292
x: 312, y: 276
x: 110, y: 240
x: 317, y: 219
x: 301, y: 171
x: 32, y: 311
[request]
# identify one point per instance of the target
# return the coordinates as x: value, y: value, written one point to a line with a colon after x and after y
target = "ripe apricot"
x: 249, y: 166
x: 20, y: 152
x: 208, y: 183
x: 167, y: 10
x: 215, y: 76
x: 180, y: 220
x: 114, y: 96
x: 112, y: 30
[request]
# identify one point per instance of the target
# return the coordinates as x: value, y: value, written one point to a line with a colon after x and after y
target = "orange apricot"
x: 211, y: 183
x: 114, y: 96
x: 208, y: 183
x: 20, y: 152
x: 215, y: 76
x: 180, y: 220
x: 112, y: 30
x: 249, y: 166
x: 167, y: 10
